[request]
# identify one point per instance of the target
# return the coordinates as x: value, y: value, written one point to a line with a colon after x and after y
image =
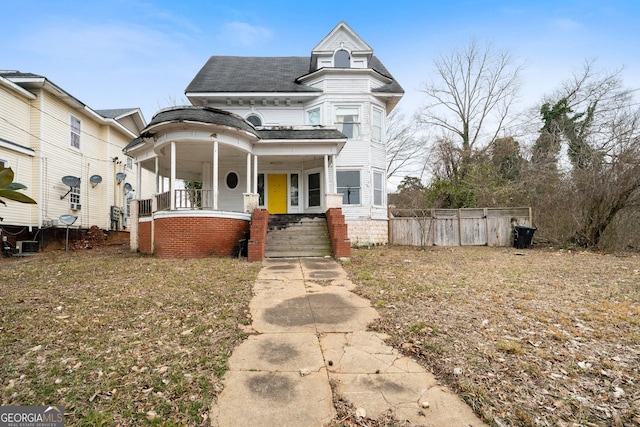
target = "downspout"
x: 215, y: 175
x: 41, y: 190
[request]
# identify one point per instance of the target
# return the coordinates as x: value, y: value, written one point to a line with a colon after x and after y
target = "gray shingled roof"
x: 266, y: 74
x: 393, y: 87
x: 302, y: 134
x: 203, y: 115
x: 114, y: 112
x: 14, y: 73
x: 251, y: 74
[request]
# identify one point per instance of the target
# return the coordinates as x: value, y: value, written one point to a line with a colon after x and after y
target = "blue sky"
x: 131, y: 53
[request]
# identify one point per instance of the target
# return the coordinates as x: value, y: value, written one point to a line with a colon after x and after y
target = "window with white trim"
x: 293, y: 189
x: 129, y: 163
x: 232, y: 180
x: 4, y: 163
x: 74, y: 198
x: 342, y: 59
x: 313, y: 116
x: 348, y: 121
x: 378, y: 189
x: 255, y: 120
x: 349, y: 186
x: 376, y: 125
x: 74, y: 137
x: 313, y: 189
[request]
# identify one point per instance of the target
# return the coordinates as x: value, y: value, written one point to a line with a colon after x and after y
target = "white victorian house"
x: 289, y: 135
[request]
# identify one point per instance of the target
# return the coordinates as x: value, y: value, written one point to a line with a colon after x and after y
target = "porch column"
x: 157, y: 175
x: 255, y: 174
x: 326, y: 174
x: 138, y: 179
x: 215, y: 175
x: 334, y: 175
x: 248, y: 173
x: 207, y: 202
x: 172, y: 182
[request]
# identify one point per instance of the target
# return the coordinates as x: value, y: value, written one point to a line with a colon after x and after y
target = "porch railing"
x: 164, y: 201
x: 145, y: 207
x: 194, y: 199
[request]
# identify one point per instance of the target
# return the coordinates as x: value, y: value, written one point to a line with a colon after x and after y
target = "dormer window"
x: 342, y: 59
x: 255, y: 120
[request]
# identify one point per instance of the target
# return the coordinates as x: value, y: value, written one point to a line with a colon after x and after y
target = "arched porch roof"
x: 193, y: 129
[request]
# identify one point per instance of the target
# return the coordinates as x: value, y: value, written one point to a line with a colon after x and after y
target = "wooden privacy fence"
x: 456, y: 227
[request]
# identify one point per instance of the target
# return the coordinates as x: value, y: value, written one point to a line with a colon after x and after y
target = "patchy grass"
x: 527, y: 338
x: 119, y: 338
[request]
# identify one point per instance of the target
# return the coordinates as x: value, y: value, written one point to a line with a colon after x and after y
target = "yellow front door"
x: 277, y: 193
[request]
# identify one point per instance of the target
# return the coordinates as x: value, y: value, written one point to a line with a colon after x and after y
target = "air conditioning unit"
x: 75, y: 206
x: 27, y: 246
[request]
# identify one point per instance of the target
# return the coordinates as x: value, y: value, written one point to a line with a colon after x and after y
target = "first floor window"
x: 378, y: 189
x: 75, y: 132
x: 232, y: 180
x: 129, y: 163
x: 74, y: 198
x: 349, y: 187
x: 314, y: 189
x: 348, y: 121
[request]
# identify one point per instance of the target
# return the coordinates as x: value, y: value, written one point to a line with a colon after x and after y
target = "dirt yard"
x: 536, y: 337
x: 528, y: 338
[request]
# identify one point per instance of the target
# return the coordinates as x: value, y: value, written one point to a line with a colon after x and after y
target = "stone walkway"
x: 309, y: 330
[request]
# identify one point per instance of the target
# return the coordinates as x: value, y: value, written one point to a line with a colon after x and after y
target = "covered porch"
x: 213, y: 170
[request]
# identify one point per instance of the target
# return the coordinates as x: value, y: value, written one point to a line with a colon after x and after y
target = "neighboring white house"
x: 313, y: 126
x: 46, y: 135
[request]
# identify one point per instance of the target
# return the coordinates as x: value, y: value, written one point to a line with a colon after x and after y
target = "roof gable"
x: 342, y: 37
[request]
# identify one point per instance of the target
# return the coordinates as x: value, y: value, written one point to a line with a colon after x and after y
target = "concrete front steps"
x: 304, y: 235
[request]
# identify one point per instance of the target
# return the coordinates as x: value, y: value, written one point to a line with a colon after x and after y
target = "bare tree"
x: 595, y: 118
x: 406, y: 146
x: 472, y: 94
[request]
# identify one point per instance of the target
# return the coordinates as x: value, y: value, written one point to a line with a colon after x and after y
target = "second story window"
x: 255, y: 120
x: 129, y: 163
x: 75, y: 132
x: 313, y: 116
x: 376, y: 125
x: 348, y: 121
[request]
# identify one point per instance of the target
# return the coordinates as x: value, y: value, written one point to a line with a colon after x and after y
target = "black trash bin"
x: 522, y: 236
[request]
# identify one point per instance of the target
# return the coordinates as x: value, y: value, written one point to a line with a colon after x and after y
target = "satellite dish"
x: 95, y: 180
x: 120, y: 176
x: 67, y: 220
x: 127, y: 187
x: 71, y: 181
